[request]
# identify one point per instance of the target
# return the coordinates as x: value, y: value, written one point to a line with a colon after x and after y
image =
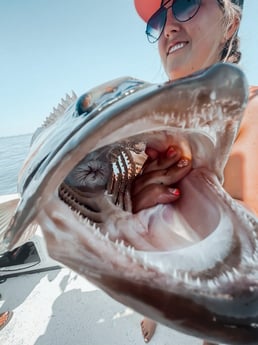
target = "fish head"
x: 191, y: 264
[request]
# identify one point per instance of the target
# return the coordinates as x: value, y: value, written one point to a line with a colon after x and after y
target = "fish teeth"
x: 223, y: 278
x: 230, y: 277
x: 97, y: 233
x: 175, y: 274
x: 186, y: 277
x: 134, y: 259
x: 166, y: 119
x: 236, y: 272
x: 255, y: 255
x: 198, y: 282
x: 130, y: 250
x: 211, y: 284
x: 249, y: 260
x: 145, y: 267
x: 216, y: 282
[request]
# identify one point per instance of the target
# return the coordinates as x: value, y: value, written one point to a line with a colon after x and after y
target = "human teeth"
x: 176, y: 47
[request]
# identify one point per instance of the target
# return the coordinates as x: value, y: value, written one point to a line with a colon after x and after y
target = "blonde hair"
x: 231, y: 51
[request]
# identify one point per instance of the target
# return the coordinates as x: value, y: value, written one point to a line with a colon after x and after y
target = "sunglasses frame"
x: 162, y: 8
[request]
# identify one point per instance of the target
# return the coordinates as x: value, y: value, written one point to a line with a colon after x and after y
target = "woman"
x: 192, y: 35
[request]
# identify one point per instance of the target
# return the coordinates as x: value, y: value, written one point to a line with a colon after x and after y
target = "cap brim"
x: 146, y: 8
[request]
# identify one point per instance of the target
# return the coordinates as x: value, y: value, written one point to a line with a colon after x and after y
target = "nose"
x: 172, y: 25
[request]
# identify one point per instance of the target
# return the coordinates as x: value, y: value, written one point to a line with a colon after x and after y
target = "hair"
x: 231, y: 51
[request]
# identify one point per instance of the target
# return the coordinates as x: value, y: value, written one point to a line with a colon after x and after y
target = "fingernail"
x: 151, y: 153
x: 171, y: 152
x: 183, y: 163
x: 174, y: 191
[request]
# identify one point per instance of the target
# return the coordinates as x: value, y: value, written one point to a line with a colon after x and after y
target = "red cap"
x: 146, y: 8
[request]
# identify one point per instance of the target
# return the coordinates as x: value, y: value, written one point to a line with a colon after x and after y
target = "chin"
x: 184, y: 71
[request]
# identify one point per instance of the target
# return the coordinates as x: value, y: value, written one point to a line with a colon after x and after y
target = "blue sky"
x: 51, y: 47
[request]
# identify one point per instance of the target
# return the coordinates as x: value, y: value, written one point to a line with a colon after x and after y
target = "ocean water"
x: 13, y: 151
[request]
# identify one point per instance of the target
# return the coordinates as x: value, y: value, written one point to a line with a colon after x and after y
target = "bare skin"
x: 148, y: 328
x: 241, y: 172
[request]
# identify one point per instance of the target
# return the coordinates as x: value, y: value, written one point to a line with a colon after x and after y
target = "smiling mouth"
x: 176, y: 47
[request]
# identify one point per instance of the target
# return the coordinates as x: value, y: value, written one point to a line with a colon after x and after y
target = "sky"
x: 50, y: 47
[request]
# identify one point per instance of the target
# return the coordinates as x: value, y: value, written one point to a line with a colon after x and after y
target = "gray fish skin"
x: 191, y: 265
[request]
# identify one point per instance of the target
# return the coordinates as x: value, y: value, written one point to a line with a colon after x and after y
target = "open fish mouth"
x: 191, y: 264
x: 97, y: 191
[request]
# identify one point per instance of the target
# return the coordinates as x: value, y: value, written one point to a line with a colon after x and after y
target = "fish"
x: 76, y: 183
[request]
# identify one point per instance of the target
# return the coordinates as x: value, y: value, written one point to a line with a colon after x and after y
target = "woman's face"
x: 187, y: 47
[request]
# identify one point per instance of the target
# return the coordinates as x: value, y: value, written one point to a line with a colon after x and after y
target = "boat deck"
x: 59, y: 307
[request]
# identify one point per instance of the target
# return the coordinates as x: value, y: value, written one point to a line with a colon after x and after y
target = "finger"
x: 153, y: 195
x: 151, y: 153
x: 163, y: 161
x: 166, y: 176
x: 176, y: 172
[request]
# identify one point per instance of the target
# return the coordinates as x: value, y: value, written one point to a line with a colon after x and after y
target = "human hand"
x: 160, y: 172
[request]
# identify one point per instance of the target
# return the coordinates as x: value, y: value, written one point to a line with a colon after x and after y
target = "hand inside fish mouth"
x: 161, y: 169
x: 189, y: 262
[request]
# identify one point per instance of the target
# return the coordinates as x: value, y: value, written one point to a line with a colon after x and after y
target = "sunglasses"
x: 183, y: 10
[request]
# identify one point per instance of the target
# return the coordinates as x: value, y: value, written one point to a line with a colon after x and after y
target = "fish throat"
x: 98, y: 191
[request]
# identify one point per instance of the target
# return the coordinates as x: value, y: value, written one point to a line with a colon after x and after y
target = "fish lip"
x: 174, y: 43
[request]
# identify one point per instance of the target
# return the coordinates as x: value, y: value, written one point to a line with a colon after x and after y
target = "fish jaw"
x: 181, y: 312
x: 215, y: 301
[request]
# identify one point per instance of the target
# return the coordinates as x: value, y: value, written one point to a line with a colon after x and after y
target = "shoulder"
x: 253, y: 92
x: 247, y: 138
x: 241, y: 173
x: 251, y: 112
x: 253, y: 99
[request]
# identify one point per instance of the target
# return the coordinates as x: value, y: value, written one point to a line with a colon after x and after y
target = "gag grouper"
x: 191, y: 265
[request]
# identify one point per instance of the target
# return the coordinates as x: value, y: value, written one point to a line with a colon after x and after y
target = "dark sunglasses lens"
x: 156, y: 25
x: 184, y: 10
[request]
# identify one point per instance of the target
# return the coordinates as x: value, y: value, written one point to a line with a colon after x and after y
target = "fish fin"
x: 27, y: 234
x: 56, y: 113
x: 7, y: 210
